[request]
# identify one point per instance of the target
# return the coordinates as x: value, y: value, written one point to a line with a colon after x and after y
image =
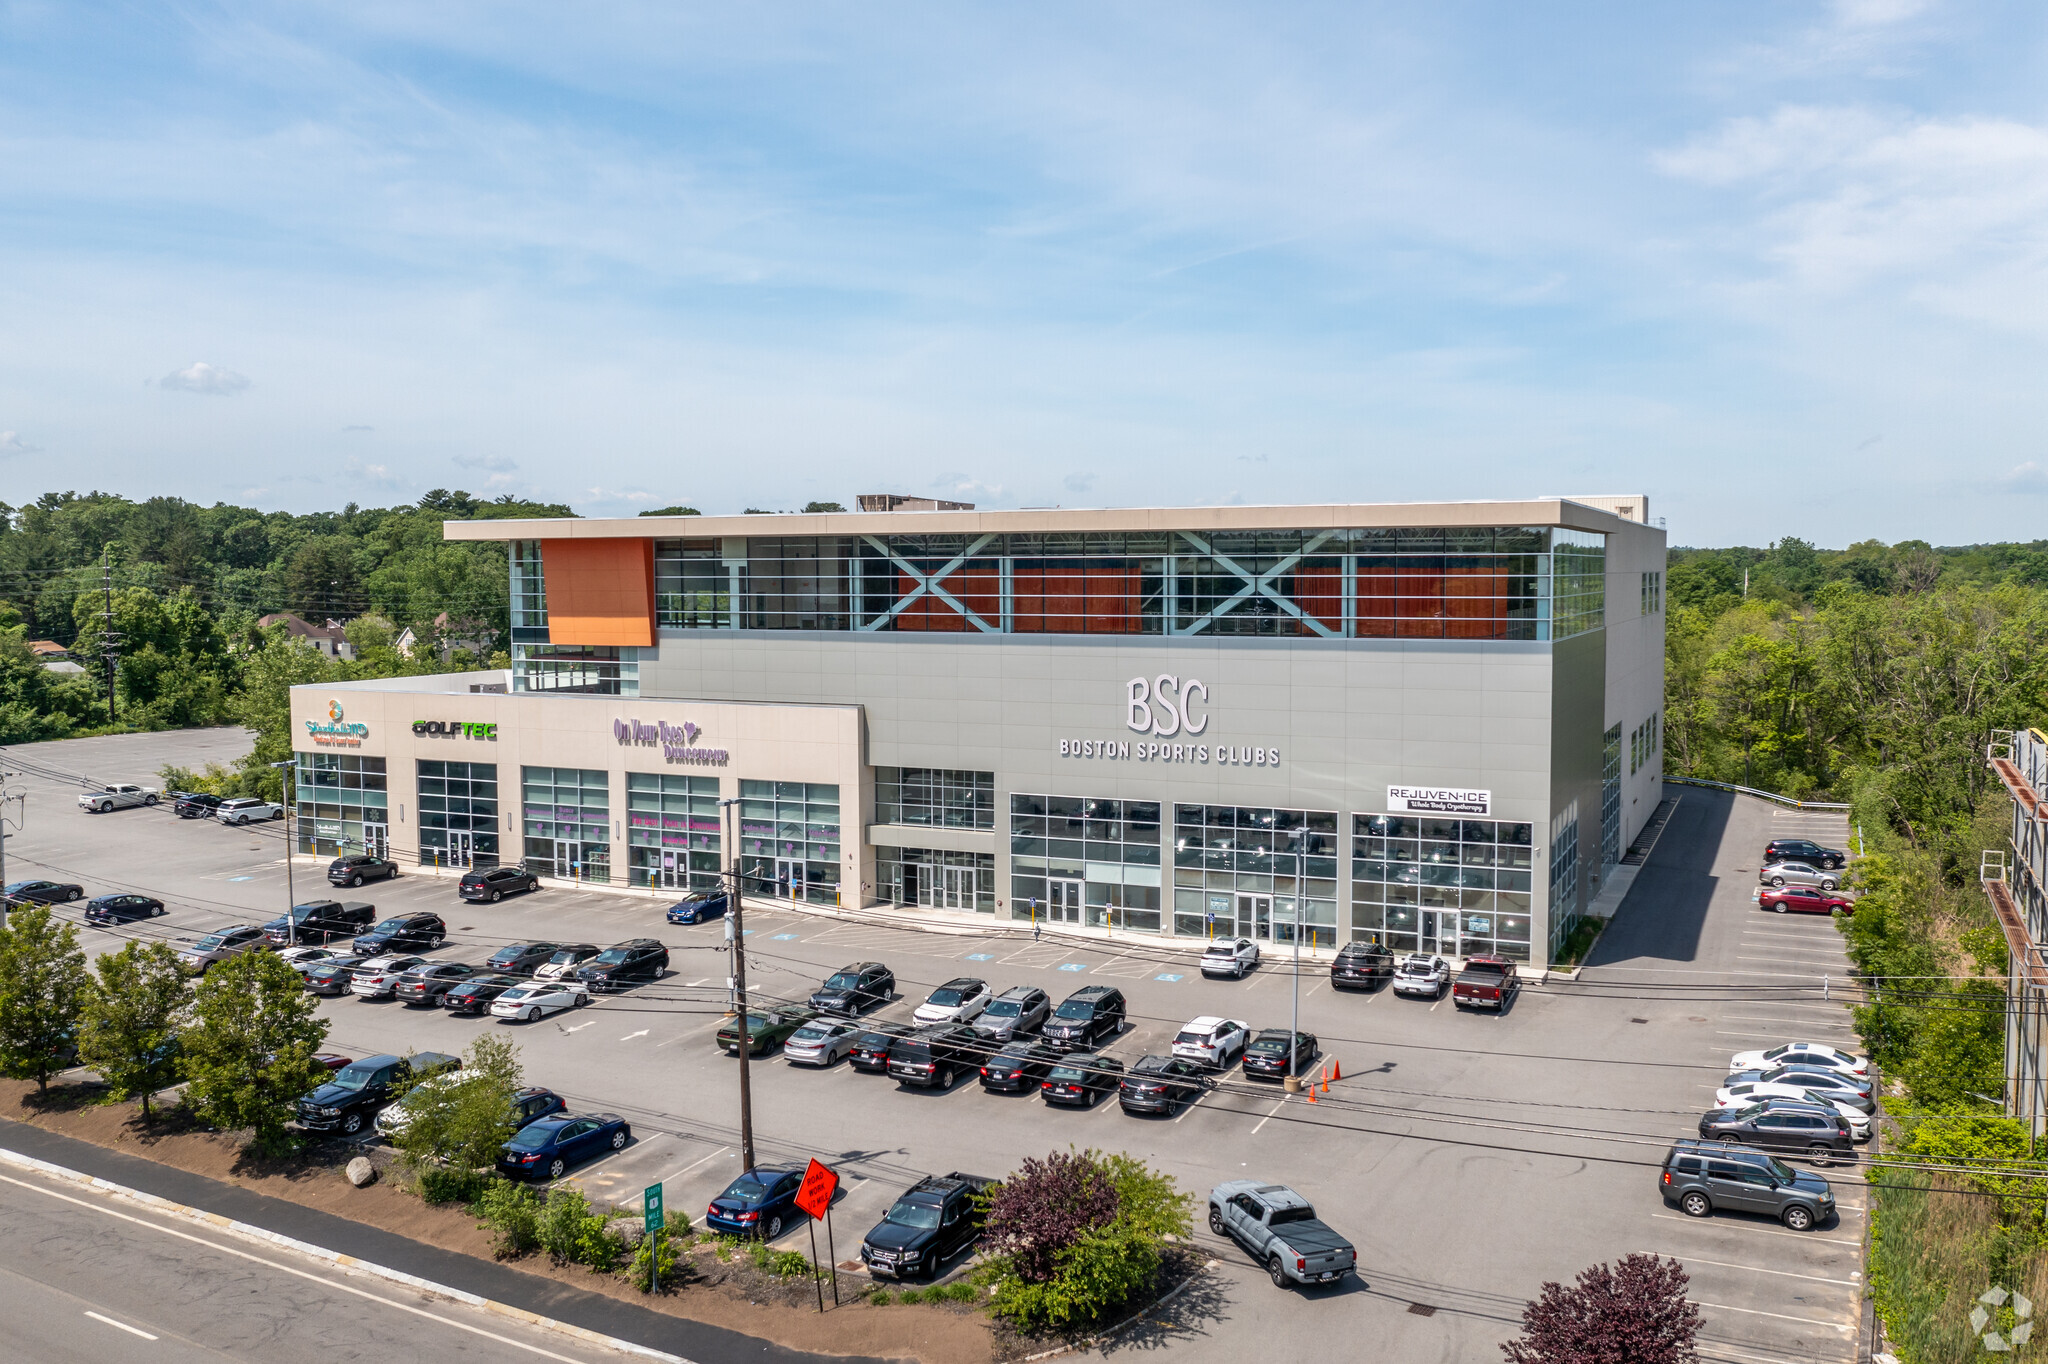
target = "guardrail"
x: 1767, y: 795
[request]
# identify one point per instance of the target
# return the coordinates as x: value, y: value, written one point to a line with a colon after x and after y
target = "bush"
x: 461, y: 1118
x: 455, y: 1186
x: 1635, y: 1311
x: 670, y: 1246
x: 511, y: 1212
x: 571, y: 1233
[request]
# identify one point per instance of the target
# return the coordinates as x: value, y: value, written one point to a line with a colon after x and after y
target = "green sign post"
x: 652, y: 1217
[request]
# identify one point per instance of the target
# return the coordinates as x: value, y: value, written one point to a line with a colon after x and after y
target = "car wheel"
x: 1798, y: 1218
x: 556, y: 1167
x: 619, y: 1140
x: 497, y: 896
x: 277, y: 814
x: 1781, y: 906
x: 1827, y: 883
x: 1279, y: 1274
x: 158, y: 910
x: 1731, y: 1139
x: 1216, y: 1221
x: 1695, y: 1204
x: 352, y: 1124
x: 149, y: 800
x: 1820, y: 1155
x: 533, y: 1014
x: 355, y: 880
x: 772, y: 1230
x: 1777, y: 880
x: 73, y: 894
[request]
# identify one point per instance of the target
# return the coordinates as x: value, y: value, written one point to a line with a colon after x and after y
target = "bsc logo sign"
x: 1162, y: 706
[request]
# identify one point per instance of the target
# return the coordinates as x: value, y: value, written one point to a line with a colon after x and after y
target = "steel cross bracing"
x: 1255, y: 585
x: 931, y: 584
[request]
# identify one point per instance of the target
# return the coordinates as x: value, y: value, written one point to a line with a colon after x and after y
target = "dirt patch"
x: 734, y: 1296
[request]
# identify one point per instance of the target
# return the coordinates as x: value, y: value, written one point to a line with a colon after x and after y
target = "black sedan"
x: 331, y: 975
x: 522, y: 958
x: 195, y: 804
x: 1019, y: 1066
x: 357, y: 868
x: 546, y: 1149
x: 474, y: 996
x: 121, y: 909
x: 871, y: 1049
x: 42, y: 893
x: 1269, y: 1057
x: 1079, y: 1080
x: 495, y: 884
x: 1159, y: 1084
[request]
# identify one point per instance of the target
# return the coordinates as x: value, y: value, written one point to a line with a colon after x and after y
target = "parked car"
x: 300, y: 958
x: 758, y: 1203
x: 125, y: 796
x: 1016, y: 1012
x: 523, y: 958
x: 528, y: 1105
x: 930, y: 1057
x: 1485, y: 983
x: 219, y: 946
x: 929, y: 1223
x: 121, y: 909
x: 1856, y: 1091
x: 331, y: 976
x: 1804, y: 900
x: 357, y: 868
x: 1281, y: 1230
x: 358, y: 1090
x: 1424, y: 974
x: 1086, y: 1018
x: 1801, y: 1054
x: 820, y: 1042
x: 959, y: 1000
x: 247, y: 810
x: 1804, y: 850
x: 379, y: 976
x: 1080, y: 1079
x: 416, y: 932
x: 1821, y: 1133
x: 492, y: 884
x: 565, y: 961
x: 1231, y: 957
x: 1277, y: 1053
x: 1018, y: 1065
x: 42, y: 893
x: 477, y: 994
x: 870, y: 1052
x: 194, y: 804
x: 1756, y: 1092
x: 536, y: 999
x: 319, y: 921
x: 1361, y: 964
x: 1160, y: 1084
x: 622, y: 963
x: 427, y: 984
x: 1798, y: 874
x: 1702, y: 1176
x: 546, y: 1149
x: 1212, y: 1042
x: 699, y: 907
x: 767, y: 1028
x: 852, y: 989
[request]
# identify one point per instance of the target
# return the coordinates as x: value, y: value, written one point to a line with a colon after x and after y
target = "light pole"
x: 1294, y: 1023
x: 290, y: 795
x: 745, y: 1036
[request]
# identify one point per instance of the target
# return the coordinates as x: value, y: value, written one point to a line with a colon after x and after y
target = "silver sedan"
x: 821, y: 1042
x: 1798, y: 874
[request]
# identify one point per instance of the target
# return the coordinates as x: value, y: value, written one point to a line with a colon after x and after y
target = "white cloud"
x: 1878, y: 13
x: 497, y: 464
x: 11, y: 443
x: 2029, y: 477
x: 965, y: 488
x: 200, y: 377
x: 1078, y: 483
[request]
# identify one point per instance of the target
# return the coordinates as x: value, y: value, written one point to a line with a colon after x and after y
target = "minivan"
x: 1700, y: 1176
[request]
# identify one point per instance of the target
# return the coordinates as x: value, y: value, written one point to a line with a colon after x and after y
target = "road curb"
x: 333, y: 1257
x: 1127, y: 1322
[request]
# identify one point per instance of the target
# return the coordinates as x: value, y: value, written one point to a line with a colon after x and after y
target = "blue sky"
x: 1783, y: 266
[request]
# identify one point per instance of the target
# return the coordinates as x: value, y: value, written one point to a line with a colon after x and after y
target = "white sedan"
x: 1230, y: 957
x: 821, y: 1042
x: 536, y: 999
x: 375, y: 978
x: 957, y: 1001
x: 1746, y: 1092
x: 1212, y: 1042
x: 306, y: 956
x: 1422, y: 973
x: 1801, y: 1054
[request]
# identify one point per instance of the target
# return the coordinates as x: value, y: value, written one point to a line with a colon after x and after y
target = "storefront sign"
x: 454, y: 729
x: 1438, y: 800
x: 338, y: 732
x: 678, y: 742
x: 1219, y: 755
x: 1163, y: 706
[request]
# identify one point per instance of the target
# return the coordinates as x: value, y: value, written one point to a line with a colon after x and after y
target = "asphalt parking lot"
x: 1470, y: 1157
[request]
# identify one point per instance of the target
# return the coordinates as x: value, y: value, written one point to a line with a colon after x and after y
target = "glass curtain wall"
x: 692, y: 586
x: 1444, y: 884
x: 342, y: 805
x: 529, y: 594
x: 935, y: 798
x: 1255, y: 872
x: 1610, y: 797
x: 1565, y: 902
x: 672, y: 831
x: 566, y: 816
x: 789, y: 840
x: 458, y: 814
x: 932, y: 879
x: 1082, y: 860
x: 597, y: 669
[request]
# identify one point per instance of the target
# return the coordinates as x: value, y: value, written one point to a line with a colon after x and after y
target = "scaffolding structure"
x: 2014, y: 881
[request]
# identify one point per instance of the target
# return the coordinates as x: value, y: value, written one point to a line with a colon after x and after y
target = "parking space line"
x: 1781, y: 1273
x: 1269, y: 1117
x: 1781, y: 1316
x: 693, y: 1165
x: 1806, y: 1236
x: 1723, y: 1351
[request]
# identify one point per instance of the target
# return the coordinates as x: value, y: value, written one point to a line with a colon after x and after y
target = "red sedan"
x: 1804, y: 900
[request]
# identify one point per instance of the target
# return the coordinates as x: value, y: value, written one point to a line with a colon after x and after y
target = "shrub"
x: 461, y: 1118
x: 454, y: 1186
x: 645, y: 1251
x: 511, y: 1212
x: 1636, y: 1311
x: 571, y: 1233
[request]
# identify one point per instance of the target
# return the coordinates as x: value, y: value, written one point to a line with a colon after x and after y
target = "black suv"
x: 357, y: 868
x: 1086, y: 1018
x: 346, y: 1103
x: 929, y: 1223
x: 851, y: 989
x: 1804, y: 850
x: 1361, y: 964
x: 421, y: 932
x: 523, y: 958
x: 1267, y: 1055
x: 320, y: 920
x: 495, y: 883
x: 634, y: 959
x: 1785, y: 1125
x: 1157, y: 1084
x: 933, y: 1055
x: 195, y: 804
x: 1700, y: 1176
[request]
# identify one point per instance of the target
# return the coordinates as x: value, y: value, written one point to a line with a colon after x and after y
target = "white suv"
x: 1212, y: 1042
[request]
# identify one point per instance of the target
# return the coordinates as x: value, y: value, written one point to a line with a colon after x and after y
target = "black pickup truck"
x: 929, y: 1223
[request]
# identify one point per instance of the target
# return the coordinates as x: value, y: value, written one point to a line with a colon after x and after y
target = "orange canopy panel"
x: 599, y: 591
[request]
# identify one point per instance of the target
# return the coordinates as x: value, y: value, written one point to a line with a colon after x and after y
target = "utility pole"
x: 110, y: 641
x: 289, y: 797
x: 1294, y: 1023
x: 8, y: 798
x: 736, y: 934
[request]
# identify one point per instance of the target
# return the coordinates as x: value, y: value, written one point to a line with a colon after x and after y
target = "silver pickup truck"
x: 121, y: 797
x: 1279, y: 1226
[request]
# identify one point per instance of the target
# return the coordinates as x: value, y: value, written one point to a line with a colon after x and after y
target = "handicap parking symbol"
x: 1167, y: 978
x: 981, y: 956
x: 1075, y: 966
x: 785, y: 937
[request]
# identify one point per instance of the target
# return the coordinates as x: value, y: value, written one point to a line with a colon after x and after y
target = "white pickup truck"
x: 118, y: 798
x: 1279, y: 1226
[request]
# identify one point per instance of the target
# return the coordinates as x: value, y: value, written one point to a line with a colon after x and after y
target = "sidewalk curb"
x: 348, y: 1262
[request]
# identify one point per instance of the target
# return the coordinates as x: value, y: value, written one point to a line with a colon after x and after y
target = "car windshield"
x: 746, y: 1190
x: 811, y: 1032
x: 1781, y: 1172
x: 522, y: 991
x: 1416, y: 964
x: 922, y: 1216
x: 569, y: 954
x: 1269, y: 1044
x: 845, y: 980
x: 1067, y: 1073
x: 533, y: 1138
x: 1194, y: 1038
x: 946, y: 995
x: 355, y: 1077
x: 211, y: 941
x: 1775, y: 1052
x: 1004, y: 1008
x: 1077, y: 1008
x: 611, y: 955
x: 1282, y: 1216
x: 391, y: 925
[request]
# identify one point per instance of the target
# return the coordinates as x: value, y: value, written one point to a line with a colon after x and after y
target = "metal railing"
x: 1767, y: 795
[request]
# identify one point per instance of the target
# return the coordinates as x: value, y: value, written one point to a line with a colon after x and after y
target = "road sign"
x: 650, y: 1208
x: 814, y: 1195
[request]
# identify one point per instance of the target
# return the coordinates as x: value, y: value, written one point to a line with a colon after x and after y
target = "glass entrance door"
x: 959, y: 887
x: 1063, y: 904
x: 1255, y: 916
x: 674, y: 872
x: 1430, y: 942
x: 461, y: 848
x: 789, y: 878
x: 377, y: 840
x: 565, y: 859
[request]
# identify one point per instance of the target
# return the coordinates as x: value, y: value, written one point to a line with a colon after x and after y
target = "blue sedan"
x: 698, y: 908
x: 546, y: 1149
x: 758, y: 1203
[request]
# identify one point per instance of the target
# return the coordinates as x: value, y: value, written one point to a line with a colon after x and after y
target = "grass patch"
x: 1583, y: 935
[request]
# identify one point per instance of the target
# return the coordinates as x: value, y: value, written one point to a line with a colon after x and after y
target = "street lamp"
x: 737, y: 929
x: 291, y: 799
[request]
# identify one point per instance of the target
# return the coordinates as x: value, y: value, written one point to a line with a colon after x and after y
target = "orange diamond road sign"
x: 815, y: 1194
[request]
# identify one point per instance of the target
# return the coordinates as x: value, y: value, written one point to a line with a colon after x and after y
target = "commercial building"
x: 2016, y: 879
x: 1436, y: 724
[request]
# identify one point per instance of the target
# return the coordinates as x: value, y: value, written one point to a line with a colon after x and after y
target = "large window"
x: 1442, y: 884
x: 1610, y: 795
x: 672, y: 831
x: 1255, y: 871
x: 1565, y: 900
x: 936, y: 880
x: 935, y: 798
x: 566, y: 816
x: 602, y: 670
x: 529, y: 594
x: 1578, y: 576
x: 789, y: 840
x: 692, y: 586
x: 458, y: 814
x: 343, y: 806
x: 1078, y: 860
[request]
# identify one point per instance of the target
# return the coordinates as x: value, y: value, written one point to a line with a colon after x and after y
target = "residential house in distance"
x: 328, y: 639
x: 446, y: 637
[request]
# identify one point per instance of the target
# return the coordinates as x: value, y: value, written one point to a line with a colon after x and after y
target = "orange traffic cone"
x: 1326, y: 1084
x: 1311, y: 1093
x: 1336, y: 1070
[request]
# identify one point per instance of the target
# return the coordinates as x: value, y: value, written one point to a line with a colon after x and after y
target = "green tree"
x: 128, y: 1029
x: 461, y: 1118
x: 249, y: 1044
x: 42, y: 983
